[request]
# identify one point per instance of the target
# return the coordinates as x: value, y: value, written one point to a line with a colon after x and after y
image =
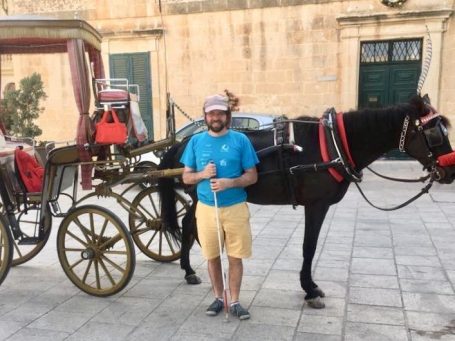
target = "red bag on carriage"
x: 114, y: 132
x: 30, y: 172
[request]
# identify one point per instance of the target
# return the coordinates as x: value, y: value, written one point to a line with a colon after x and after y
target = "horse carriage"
x: 95, y: 248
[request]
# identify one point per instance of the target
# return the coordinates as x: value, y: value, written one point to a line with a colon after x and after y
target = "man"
x: 222, y: 162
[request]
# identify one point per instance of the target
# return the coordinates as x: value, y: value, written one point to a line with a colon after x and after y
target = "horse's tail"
x: 166, y: 188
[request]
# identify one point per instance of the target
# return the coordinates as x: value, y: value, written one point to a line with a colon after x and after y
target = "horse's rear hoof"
x: 315, y: 303
x: 193, y: 279
x: 319, y: 292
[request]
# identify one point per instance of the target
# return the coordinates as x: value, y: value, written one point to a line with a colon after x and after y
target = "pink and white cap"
x: 216, y: 102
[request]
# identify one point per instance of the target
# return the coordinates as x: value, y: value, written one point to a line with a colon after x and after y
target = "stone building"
x: 289, y: 57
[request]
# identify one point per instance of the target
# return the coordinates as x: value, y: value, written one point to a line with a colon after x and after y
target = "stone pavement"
x: 386, y: 275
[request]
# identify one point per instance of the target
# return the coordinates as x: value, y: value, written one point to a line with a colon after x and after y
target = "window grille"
x: 391, y: 51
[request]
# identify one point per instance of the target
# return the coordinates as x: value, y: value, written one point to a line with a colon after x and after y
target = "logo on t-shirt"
x: 224, y: 148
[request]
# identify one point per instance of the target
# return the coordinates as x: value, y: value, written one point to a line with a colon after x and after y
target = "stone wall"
x: 447, y: 84
x: 289, y: 57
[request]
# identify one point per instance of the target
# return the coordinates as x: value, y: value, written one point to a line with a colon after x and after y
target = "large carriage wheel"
x: 6, y: 249
x: 95, y: 250
x: 146, y: 226
x: 28, y: 222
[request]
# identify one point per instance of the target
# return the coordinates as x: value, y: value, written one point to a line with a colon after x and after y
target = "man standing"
x: 222, y: 162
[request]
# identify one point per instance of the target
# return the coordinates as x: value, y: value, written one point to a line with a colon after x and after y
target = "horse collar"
x: 334, y: 144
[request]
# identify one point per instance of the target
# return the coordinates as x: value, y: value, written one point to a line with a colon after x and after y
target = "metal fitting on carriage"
x: 298, y: 148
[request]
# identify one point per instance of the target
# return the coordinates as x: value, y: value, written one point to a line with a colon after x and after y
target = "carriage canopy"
x: 34, y: 34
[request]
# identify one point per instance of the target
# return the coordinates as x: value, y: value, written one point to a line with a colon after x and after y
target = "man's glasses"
x: 216, y: 113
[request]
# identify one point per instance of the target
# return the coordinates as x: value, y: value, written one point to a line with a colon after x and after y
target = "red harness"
x: 324, y: 150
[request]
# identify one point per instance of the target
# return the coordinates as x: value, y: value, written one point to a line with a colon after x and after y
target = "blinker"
x: 435, y: 135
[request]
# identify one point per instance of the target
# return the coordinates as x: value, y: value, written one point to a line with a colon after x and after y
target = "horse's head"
x: 425, y: 137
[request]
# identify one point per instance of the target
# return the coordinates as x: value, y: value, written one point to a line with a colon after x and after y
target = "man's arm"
x: 249, y: 177
x: 191, y: 177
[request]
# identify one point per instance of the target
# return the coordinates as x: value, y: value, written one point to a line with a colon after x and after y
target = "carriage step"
x: 29, y: 241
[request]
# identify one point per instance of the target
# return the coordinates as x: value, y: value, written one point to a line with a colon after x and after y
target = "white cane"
x: 218, y: 225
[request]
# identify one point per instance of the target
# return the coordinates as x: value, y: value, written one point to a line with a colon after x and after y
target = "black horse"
x: 287, y: 176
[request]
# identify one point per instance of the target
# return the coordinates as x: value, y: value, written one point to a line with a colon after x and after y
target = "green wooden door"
x: 389, y: 73
x: 136, y: 68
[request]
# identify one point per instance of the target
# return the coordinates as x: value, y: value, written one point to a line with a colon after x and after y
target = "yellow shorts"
x: 235, y: 229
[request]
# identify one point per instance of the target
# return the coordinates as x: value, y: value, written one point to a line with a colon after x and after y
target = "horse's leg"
x: 314, y: 217
x: 188, y: 233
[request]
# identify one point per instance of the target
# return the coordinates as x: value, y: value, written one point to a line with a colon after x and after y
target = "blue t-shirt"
x: 232, y: 154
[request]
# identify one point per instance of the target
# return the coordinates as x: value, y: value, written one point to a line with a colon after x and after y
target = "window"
x: 244, y: 123
x: 391, y: 51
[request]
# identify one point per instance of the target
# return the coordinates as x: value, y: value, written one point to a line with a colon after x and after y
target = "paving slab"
x: 386, y: 276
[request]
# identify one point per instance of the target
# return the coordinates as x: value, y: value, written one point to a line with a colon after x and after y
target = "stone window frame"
x: 355, y: 29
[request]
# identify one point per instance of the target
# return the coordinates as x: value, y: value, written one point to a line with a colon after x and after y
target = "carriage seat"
x: 115, y: 92
x: 29, y: 171
x: 113, y: 95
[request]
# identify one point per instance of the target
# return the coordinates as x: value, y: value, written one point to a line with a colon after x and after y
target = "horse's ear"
x: 426, y: 99
x: 418, y: 103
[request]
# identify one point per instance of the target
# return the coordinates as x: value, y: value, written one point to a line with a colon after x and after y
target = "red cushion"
x: 29, y: 170
x: 113, y: 95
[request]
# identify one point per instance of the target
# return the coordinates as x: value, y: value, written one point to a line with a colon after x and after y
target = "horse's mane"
x: 372, y: 119
x: 364, y: 119
x: 307, y: 118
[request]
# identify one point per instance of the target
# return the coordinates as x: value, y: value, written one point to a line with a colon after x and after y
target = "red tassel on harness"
x: 447, y: 160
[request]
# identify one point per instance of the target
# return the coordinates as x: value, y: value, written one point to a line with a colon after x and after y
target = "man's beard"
x: 217, y: 128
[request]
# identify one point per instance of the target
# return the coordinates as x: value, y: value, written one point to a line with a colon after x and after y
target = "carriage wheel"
x: 95, y: 250
x: 146, y: 227
x: 6, y: 249
x: 28, y: 222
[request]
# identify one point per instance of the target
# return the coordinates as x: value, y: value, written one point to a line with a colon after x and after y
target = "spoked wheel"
x: 146, y: 227
x: 6, y: 249
x: 28, y: 222
x: 95, y: 250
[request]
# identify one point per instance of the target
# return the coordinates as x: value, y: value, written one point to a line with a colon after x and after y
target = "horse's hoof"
x: 193, y: 279
x: 319, y: 292
x: 315, y: 303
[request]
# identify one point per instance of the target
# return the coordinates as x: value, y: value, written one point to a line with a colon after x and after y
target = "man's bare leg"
x: 214, y: 267
x: 235, y: 277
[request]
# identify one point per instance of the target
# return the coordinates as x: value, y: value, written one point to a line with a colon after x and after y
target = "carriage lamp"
x: 393, y: 3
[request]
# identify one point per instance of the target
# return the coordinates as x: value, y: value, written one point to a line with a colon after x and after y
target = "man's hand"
x: 218, y: 185
x: 209, y: 171
x: 248, y: 178
x: 191, y: 177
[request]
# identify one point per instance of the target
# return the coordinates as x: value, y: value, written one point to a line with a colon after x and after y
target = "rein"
x: 343, y: 162
x: 421, y: 179
x: 415, y: 197
x: 356, y: 179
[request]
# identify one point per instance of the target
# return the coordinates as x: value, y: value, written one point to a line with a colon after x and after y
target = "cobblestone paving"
x: 386, y: 275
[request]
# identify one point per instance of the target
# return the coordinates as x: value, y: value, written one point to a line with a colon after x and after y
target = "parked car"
x: 240, y: 121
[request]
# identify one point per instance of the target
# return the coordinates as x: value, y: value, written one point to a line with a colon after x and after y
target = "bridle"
x: 404, y: 131
x: 428, y: 139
